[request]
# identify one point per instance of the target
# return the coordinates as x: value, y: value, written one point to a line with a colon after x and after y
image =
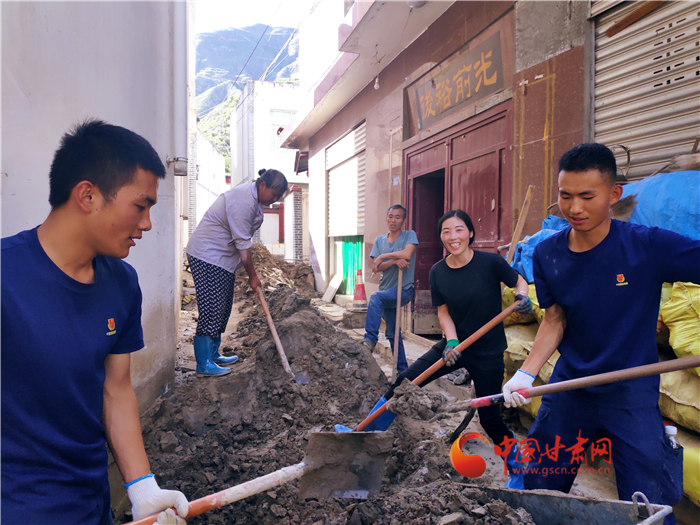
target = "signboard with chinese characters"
x: 471, y: 77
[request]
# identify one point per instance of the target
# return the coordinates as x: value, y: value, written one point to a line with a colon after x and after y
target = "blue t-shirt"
x: 390, y: 276
x: 610, y: 296
x: 56, y: 334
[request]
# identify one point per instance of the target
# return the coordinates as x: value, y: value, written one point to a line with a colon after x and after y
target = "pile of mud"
x: 274, y: 273
x: 214, y: 433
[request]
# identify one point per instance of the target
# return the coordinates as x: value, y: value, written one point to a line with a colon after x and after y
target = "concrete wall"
x: 211, y: 177
x: 545, y: 29
x: 124, y: 62
x: 551, y: 95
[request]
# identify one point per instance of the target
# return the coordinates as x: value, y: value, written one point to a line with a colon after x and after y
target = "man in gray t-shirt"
x: 392, y: 251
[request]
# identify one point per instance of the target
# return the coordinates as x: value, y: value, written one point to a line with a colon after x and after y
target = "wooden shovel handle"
x: 275, y: 337
x: 596, y: 380
x: 397, y: 327
x: 440, y: 363
x: 239, y: 492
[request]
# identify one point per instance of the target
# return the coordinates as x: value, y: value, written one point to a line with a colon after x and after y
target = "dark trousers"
x: 636, y: 447
x: 486, y: 372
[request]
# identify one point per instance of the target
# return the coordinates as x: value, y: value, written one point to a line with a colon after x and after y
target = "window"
x: 279, y: 119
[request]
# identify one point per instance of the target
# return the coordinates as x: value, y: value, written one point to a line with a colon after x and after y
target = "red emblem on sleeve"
x: 620, y: 278
x: 110, y: 324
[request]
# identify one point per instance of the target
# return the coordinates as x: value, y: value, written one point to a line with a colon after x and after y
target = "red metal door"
x: 477, y: 161
x: 428, y: 206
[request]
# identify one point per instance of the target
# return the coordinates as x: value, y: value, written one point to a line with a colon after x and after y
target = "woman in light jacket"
x: 218, y: 247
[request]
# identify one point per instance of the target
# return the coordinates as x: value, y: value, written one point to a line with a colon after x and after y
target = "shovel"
x: 440, y: 363
x: 572, y: 384
x: 340, y: 465
x: 653, y: 369
x: 301, y: 378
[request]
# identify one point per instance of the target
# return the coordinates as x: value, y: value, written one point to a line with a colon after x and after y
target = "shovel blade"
x: 345, y: 464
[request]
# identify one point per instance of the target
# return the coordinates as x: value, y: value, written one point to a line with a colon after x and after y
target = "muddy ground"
x: 213, y: 433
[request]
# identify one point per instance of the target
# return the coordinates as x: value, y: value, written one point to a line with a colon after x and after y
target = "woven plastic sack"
x: 508, y: 298
x: 520, y: 338
x: 691, y: 474
x: 680, y: 398
x: 681, y: 314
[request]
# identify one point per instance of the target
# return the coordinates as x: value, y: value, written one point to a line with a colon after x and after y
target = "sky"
x: 213, y: 15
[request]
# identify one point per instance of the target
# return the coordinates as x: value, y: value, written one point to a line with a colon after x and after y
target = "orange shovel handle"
x: 440, y: 363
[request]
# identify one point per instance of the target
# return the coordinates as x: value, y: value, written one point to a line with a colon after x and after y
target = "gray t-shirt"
x: 227, y: 227
x: 390, y: 276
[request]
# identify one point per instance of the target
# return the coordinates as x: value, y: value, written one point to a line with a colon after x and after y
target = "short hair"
x: 103, y: 154
x: 397, y: 207
x: 590, y: 156
x: 273, y: 179
x: 462, y: 216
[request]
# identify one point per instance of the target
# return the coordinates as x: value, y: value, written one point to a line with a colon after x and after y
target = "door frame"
x: 442, y: 139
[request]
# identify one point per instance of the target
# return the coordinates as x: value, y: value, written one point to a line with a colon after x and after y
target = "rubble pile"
x: 274, y: 273
x: 214, y: 433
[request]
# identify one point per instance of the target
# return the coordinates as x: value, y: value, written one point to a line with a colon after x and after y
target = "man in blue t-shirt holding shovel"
x: 391, y: 252
x: 599, y: 281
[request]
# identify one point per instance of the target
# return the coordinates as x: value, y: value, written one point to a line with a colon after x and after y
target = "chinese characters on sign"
x: 471, y: 77
x: 529, y: 451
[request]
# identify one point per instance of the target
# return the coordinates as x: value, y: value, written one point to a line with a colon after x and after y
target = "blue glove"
x: 524, y: 304
x: 450, y: 354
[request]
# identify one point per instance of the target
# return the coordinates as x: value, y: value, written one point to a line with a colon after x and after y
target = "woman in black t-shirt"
x: 466, y: 288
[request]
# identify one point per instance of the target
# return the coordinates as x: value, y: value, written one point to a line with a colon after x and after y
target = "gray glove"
x: 524, y: 304
x: 450, y: 354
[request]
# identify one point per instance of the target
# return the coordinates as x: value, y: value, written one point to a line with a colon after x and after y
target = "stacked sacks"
x: 670, y: 201
x: 680, y: 391
x: 521, y: 330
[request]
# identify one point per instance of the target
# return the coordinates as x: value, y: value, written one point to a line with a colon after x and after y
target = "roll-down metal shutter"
x: 345, y: 162
x: 647, y: 84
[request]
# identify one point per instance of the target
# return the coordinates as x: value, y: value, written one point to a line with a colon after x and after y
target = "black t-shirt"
x: 472, y: 294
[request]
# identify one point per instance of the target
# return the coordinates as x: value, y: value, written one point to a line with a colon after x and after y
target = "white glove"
x: 148, y: 498
x: 168, y: 517
x: 519, y: 381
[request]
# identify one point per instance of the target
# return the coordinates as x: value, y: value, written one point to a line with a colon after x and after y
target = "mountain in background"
x: 221, y: 75
x: 222, y: 55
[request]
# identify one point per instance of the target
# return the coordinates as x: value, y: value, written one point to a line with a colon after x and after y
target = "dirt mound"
x: 432, y: 504
x: 214, y: 433
x: 412, y: 401
x: 274, y: 273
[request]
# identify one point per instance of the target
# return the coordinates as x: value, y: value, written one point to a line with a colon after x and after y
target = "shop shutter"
x: 345, y: 162
x: 647, y: 81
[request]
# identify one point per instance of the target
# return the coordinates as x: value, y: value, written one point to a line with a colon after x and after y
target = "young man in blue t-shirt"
x: 71, y: 316
x: 599, y: 281
x: 391, y: 252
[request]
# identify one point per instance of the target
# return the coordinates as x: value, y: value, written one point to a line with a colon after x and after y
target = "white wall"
x: 124, y: 62
x: 273, y: 96
x: 289, y: 227
x: 318, y: 223
x: 211, y: 178
x: 265, y: 97
x: 318, y: 43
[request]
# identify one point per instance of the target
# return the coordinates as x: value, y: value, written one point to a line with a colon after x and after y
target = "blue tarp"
x: 668, y: 200
x: 522, y: 260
